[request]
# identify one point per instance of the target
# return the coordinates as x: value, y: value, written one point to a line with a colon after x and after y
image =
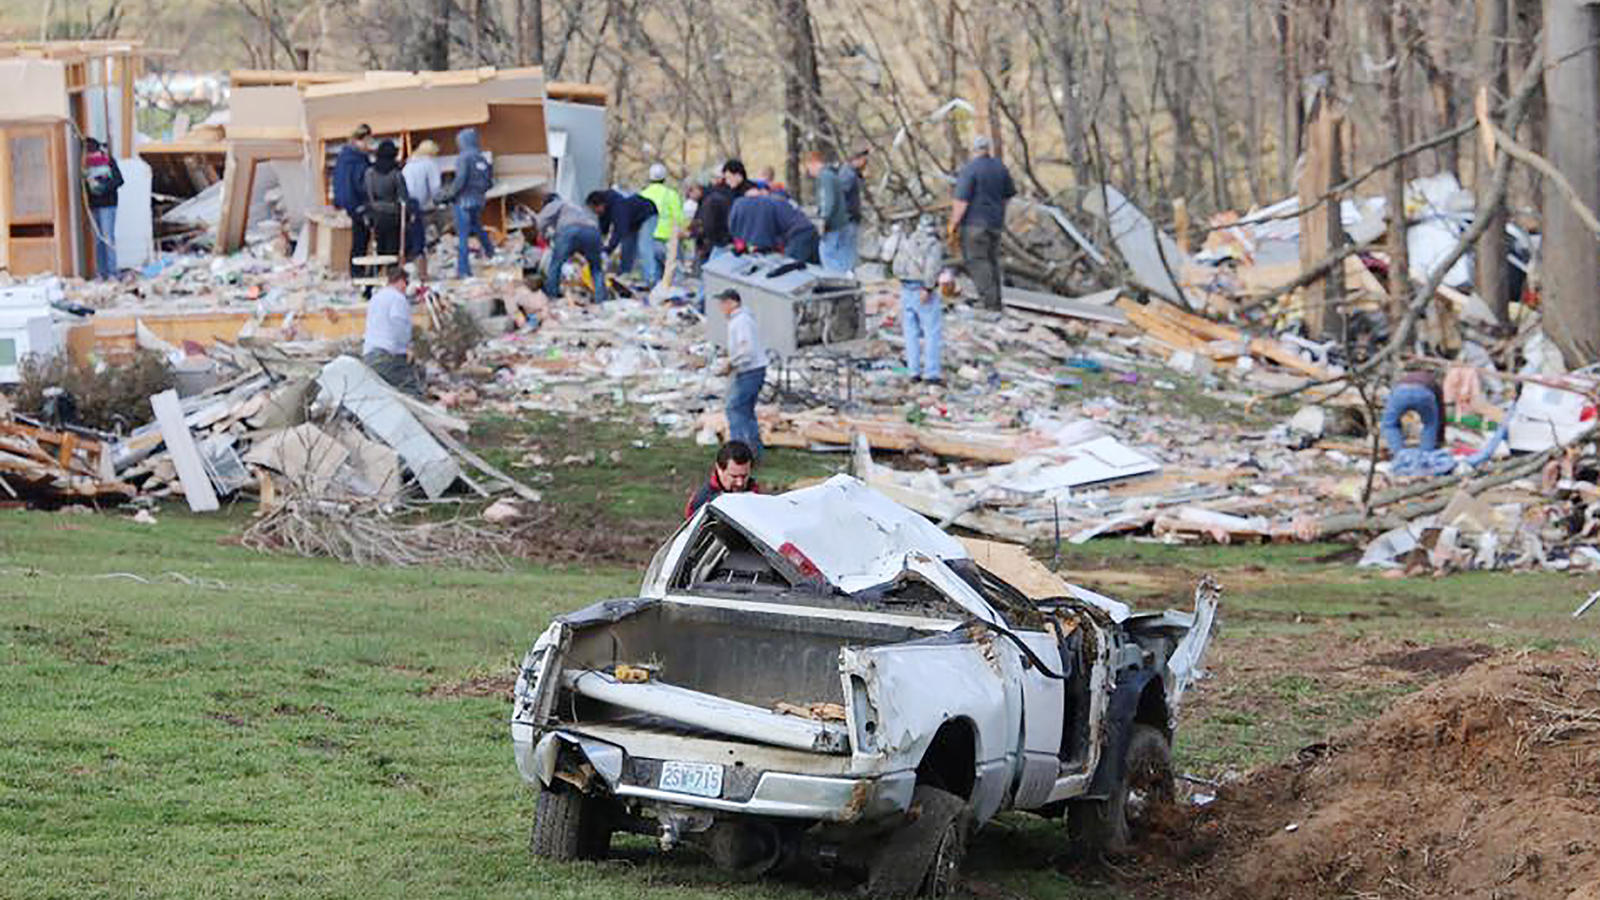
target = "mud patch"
x: 498, y: 684
x: 1485, y: 784
x: 1447, y: 660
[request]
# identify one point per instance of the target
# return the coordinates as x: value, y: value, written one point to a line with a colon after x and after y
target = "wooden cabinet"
x: 35, y: 199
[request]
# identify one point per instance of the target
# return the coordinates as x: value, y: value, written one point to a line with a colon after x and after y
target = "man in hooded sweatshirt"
x: 474, y: 176
x: 101, y: 179
x: 349, y: 187
x: 386, y: 196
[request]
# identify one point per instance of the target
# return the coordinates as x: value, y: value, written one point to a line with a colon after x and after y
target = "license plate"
x: 699, y: 779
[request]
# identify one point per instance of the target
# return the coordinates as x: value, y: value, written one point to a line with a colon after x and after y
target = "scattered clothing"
x: 1412, y: 462
x: 713, y: 489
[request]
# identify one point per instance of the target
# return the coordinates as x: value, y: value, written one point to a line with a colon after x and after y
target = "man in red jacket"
x: 729, y: 475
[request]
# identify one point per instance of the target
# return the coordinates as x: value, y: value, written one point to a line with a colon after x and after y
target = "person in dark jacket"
x: 730, y: 474
x: 468, y: 191
x: 753, y: 222
x: 715, y: 209
x: 101, y: 179
x: 349, y: 187
x: 628, y: 222
x: 978, y: 216
x: 832, y: 206
x: 386, y: 194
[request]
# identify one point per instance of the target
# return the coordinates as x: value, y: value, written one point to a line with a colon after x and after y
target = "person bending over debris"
x: 747, y: 364
x: 753, y: 222
x: 101, y: 179
x: 1417, y: 391
x: 350, y: 188
x: 571, y: 229
x: 468, y: 191
x: 387, y: 346
x: 916, y: 260
x: 628, y: 222
x: 730, y: 474
x: 978, y: 215
x: 385, y: 191
x: 424, y: 183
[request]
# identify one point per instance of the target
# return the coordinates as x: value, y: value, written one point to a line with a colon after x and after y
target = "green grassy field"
x: 186, y: 717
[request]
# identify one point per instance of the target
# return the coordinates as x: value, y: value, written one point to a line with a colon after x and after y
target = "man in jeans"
x: 571, y: 229
x: 101, y: 179
x: 916, y: 260
x: 979, y: 216
x: 628, y: 222
x: 747, y: 364
x: 838, y: 238
x: 468, y: 191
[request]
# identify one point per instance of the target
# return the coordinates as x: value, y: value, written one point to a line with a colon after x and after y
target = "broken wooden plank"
x: 185, y: 455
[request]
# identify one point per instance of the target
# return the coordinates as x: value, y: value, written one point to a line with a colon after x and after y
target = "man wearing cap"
x: 978, y: 216
x: 747, y: 368
x: 424, y: 181
x: 669, y: 211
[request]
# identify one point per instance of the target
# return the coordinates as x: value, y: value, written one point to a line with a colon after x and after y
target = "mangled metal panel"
x: 849, y: 535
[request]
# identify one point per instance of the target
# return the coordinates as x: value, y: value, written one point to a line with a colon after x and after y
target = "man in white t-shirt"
x: 386, y: 349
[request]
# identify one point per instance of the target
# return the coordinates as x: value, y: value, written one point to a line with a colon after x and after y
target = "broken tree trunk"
x: 1490, y: 71
x: 1572, y: 106
x: 1321, y: 231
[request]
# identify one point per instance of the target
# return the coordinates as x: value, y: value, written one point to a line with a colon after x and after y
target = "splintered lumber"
x: 1504, y: 473
x: 1187, y: 331
x: 805, y: 430
x: 185, y: 455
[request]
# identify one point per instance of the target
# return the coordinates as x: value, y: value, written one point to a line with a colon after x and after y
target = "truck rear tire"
x: 570, y: 825
x: 923, y: 857
x: 1114, y: 824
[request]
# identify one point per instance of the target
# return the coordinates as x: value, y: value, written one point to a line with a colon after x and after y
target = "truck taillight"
x: 799, y: 560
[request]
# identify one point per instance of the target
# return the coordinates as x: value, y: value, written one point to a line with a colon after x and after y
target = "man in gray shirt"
x: 979, y: 212
x: 386, y: 345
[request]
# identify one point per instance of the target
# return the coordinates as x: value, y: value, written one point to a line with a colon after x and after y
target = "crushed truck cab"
x: 824, y: 677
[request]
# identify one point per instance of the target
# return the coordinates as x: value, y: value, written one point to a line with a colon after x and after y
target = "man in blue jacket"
x: 753, y: 223
x: 350, y: 190
x: 474, y: 177
x: 798, y: 233
x: 629, y: 222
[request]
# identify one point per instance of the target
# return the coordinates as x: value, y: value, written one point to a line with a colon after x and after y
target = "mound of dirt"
x: 1484, y: 785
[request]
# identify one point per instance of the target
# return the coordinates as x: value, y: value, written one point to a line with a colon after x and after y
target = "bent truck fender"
x: 1119, y: 721
x: 908, y: 691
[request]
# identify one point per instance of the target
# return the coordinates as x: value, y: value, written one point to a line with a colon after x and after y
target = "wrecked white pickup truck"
x: 825, y: 678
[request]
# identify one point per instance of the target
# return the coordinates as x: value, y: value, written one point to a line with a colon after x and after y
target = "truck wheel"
x: 923, y: 857
x: 1113, y: 825
x: 569, y: 825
